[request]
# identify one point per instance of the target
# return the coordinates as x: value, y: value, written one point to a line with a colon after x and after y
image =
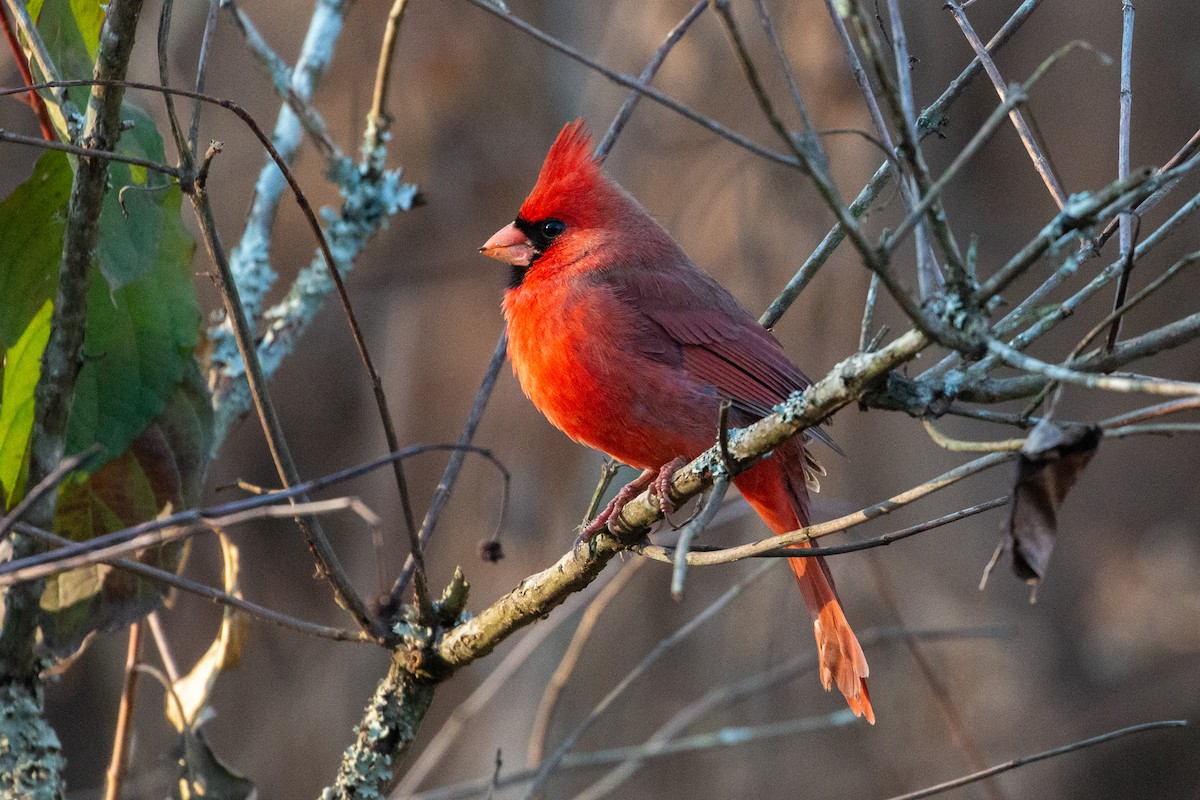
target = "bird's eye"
x: 551, y: 228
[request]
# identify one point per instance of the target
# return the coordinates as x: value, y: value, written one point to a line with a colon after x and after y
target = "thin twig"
x: 972, y: 148
x: 1183, y: 154
x: 928, y: 122
x: 280, y: 74
x: 46, y: 485
x: 1166, y: 337
x: 441, y: 495
x: 666, y: 554
x: 1160, y: 429
x: 222, y: 598
x: 873, y: 258
x: 908, y: 192
x: 540, y: 726
x: 378, y: 118
x: 647, y: 75
x: 1023, y: 760
x: 55, y: 561
x: 225, y: 511
x: 692, y: 530
x: 1088, y: 380
x: 329, y: 565
x: 779, y: 544
x: 210, y: 24
x: 929, y: 278
x: 1040, y: 162
x: 951, y: 714
x: 895, y: 91
x: 1064, y: 310
x: 1125, y: 306
x: 118, y: 765
x: 63, y: 112
x: 1152, y: 412
x: 154, y: 620
x: 90, y: 152
x: 868, y: 318
x: 960, y: 446
x: 547, y: 767
x: 1077, y: 214
x: 808, y: 133
x: 629, y: 82
x: 805, y: 161
x: 187, y: 152
x: 1123, y: 142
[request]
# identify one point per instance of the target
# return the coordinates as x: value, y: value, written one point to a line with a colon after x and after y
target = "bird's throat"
x: 517, y: 276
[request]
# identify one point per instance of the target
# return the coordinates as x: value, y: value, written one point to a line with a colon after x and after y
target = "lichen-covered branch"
x: 382, y: 738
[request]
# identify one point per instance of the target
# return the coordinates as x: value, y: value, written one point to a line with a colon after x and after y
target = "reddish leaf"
x: 161, y: 471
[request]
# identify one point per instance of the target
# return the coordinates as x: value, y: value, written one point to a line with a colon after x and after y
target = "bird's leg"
x: 658, y: 481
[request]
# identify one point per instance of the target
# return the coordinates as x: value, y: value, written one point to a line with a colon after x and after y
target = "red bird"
x: 628, y: 347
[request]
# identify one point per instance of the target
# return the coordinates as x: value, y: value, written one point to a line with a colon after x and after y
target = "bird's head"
x: 570, y: 202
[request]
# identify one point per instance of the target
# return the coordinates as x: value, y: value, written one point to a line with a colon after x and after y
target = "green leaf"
x: 32, y: 221
x: 139, y: 342
x: 139, y: 392
x: 148, y: 230
x: 22, y: 366
x: 70, y: 30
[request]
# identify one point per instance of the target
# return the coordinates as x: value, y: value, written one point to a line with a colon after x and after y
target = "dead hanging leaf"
x: 187, y: 705
x: 201, y: 773
x: 1050, y: 463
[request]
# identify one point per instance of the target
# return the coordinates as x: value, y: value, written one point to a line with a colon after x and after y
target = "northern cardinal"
x: 628, y: 347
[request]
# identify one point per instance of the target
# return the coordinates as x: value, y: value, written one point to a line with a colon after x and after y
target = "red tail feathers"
x: 776, y: 490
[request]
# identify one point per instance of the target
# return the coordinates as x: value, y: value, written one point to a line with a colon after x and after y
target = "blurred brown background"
x: 1114, y: 638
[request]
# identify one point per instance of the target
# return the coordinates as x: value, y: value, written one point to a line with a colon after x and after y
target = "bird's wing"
x: 696, y: 324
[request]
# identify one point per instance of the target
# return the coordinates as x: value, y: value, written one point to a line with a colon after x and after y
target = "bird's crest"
x: 570, y: 183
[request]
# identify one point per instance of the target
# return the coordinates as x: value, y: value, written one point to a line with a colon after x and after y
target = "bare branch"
x: 168, y: 578
x: 781, y: 546
x: 1040, y: 162
x: 547, y: 767
x: 648, y: 73
x: 570, y: 658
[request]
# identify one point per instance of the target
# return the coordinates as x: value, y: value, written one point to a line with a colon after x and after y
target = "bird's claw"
x: 660, y: 486
x: 626, y: 493
x: 659, y: 483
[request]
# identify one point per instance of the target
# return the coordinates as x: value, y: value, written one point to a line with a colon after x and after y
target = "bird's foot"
x: 659, y: 483
x: 626, y: 493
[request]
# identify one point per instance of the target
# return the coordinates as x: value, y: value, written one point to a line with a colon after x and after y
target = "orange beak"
x: 510, y: 246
